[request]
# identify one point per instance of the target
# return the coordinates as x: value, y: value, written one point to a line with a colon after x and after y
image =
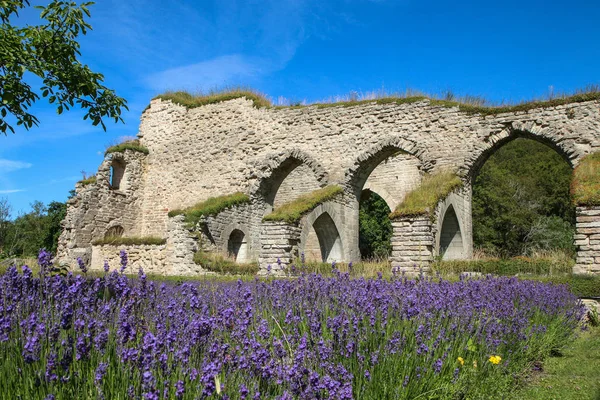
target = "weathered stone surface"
x: 275, y: 155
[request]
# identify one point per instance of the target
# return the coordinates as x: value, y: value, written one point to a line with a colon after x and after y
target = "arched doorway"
x: 375, y: 227
x: 237, y: 246
x: 521, y: 202
x: 451, y: 242
x: 323, y: 242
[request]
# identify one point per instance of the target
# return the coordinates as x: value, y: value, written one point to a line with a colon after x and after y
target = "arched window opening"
x: 117, y: 173
x: 451, y: 243
x: 521, y: 201
x: 323, y: 242
x: 237, y: 246
x: 116, y: 231
x: 375, y: 227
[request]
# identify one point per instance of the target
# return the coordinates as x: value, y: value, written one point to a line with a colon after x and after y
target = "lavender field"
x: 308, y: 337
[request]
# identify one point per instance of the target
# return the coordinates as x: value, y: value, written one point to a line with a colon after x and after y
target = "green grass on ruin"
x: 190, y: 100
x: 133, y: 145
x: 222, y: 265
x: 585, y: 186
x: 423, y: 200
x: 467, y: 104
x: 210, y: 206
x: 130, y: 241
x: 294, y: 210
x: 88, y: 181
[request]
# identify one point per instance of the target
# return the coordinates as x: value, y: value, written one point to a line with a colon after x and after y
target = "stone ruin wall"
x: 222, y: 148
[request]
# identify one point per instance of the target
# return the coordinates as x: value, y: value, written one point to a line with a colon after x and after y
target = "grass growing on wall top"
x: 88, y: 180
x: 129, y: 145
x: 585, y: 187
x: 467, y: 104
x: 210, y: 206
x: 294, y: 210
x: 130, y: 241
x: 190, y: 100
x: 424, y: 199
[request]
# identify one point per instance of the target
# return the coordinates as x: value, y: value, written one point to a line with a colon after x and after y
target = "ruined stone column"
x: 278, y: 246
x: 412, y: 243
x: 587, y: 240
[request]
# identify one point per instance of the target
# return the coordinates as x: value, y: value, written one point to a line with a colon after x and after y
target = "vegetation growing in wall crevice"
x: 210, y: 206
x: 585, y: 186
x: 130, y: 241
x: 222, y: 265
x: 424, y: 199
x: 294, y: 210
x: 88, y: 181
x: 129, y: 145
x: 190, y: 100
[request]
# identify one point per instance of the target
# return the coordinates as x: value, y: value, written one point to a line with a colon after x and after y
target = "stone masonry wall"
x: 587, y: 240
x: 279, y: 246
x: 98, y: 207
x: 152, y: 258
x: 394, y: 178
x: 246, y: 217
x: 412, y: 244
x: 222, y: 148
x: 300, y: 181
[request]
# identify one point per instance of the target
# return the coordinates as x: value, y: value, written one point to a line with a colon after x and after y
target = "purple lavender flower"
x: 123, y: 256
x: 81, y: 265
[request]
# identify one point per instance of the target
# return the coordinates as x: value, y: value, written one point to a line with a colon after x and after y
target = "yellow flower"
x: 474, y: 363
x: 495, y: 360
x: 461, y: 360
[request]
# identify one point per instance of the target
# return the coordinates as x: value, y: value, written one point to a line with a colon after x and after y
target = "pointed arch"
x: 516, y: 130
x: 304, y: 172
x: 321, y: 238
x: 237, y: 246
x: 451, y: 237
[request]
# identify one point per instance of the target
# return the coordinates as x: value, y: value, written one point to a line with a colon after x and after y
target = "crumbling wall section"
x: 587, y: 240
x: 97, y: 207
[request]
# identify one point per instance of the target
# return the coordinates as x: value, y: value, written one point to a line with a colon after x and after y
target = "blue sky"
x: 301, y: 50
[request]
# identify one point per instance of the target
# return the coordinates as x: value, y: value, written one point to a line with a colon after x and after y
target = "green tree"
x: 520, y: 197
x: 49, y: 51
x: 375, y: 227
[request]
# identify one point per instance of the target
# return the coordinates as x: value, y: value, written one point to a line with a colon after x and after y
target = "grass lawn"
x: 575, y: 374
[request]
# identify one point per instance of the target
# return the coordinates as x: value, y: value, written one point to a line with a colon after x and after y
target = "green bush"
x: 125, y: 241
x: 580, y: 285
x: 129, y: 145
x: 510, y: 266
x: 294, y: 210
x: 424, y: 199
x: 210, y: 206
x: 221, y: 265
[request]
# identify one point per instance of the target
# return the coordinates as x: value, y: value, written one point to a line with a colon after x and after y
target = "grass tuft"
x: 222, y: 265
x: 190, y: 100
x: 129, y: 145
x: 210, y: 206
x: 294, y: 210
x: 424, y: 199
x: 585, y: 186
x: 130, y: 241
x: 88, y: 181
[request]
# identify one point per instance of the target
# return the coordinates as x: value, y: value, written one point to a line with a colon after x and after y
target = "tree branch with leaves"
x: 50, y: 51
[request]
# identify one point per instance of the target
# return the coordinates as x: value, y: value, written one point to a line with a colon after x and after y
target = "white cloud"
x: 11, y: 191
x: 10, y: 165
x: 209, y: 74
